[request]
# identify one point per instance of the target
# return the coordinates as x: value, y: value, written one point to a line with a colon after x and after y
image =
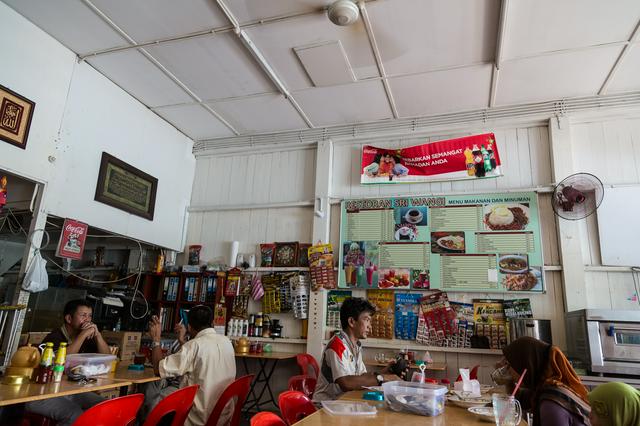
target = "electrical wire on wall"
x: 16, y: 228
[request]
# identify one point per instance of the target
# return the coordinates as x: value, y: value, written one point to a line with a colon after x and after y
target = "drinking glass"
x: 506, y: 410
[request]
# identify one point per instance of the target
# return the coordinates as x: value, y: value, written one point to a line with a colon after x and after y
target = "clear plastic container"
x: 349, y: 408
x: 418, y: 398
x: 89, y: 364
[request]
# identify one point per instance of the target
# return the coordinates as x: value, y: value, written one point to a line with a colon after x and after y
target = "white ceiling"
x: 436, y: 56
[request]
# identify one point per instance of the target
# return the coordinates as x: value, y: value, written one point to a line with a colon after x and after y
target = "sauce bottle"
x: 478, y: 161
x: 46, y: 364
x: 485, y: 159
x: 468, y: 159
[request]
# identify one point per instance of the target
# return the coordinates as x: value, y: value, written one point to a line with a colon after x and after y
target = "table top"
x: 134, y: 376
x: 269, y: 355
x: 451, y: 416
x: 432, y: 366
x: 15, y: 394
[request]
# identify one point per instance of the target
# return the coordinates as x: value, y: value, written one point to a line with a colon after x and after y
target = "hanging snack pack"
x: 382, y: 319
x: 407, y: 309
x: 271, y: 299
x: 300, y: 296
x: 321, y: 267
x: 334, y: 303
x: 439, y: 320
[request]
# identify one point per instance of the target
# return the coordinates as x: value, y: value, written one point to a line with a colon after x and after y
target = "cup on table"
x: 417, y: 377
x: 139, y: 359
x: 506, y: 410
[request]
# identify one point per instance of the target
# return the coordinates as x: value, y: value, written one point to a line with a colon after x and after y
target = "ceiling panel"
x: 422, y: 35
x: 253, y: 10
x: 133, y: 72
x: 213, y: 67
x: 70, y: 22
x: 145, y: 20
x: 442, y: 91
x: 536, y: 26
x: 266, y: 113
x: 194, y: 121
x: 560, y: 75
x: 627, y: 78
x: 277, y: 40
x: 358, y: 102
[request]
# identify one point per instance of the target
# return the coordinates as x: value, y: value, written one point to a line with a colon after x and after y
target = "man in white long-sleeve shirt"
x: 207, y: 360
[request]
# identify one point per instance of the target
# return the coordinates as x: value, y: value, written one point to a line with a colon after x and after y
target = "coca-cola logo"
x: 370, y: 151
x: 74, y: 229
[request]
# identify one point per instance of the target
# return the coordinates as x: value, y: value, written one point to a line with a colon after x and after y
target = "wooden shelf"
x: 412, y: 345
x: 278, y: 340
x: 277, y: 269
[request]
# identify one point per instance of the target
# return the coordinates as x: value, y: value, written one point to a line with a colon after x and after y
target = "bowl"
x: 513, y: 264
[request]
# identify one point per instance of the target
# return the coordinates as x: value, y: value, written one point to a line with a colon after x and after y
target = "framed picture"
x: 286, y: 254
x: 124, y: 187
x: 15, y: 117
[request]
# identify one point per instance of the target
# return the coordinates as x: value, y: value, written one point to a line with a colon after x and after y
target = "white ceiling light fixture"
x: 343, y: 12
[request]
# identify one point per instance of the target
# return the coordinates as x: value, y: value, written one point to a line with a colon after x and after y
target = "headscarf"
x: 549, y: 376
x: 616, y: 404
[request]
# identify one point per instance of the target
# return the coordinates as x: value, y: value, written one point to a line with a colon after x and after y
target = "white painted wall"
x: 79, y: 113
x: 609, y: 149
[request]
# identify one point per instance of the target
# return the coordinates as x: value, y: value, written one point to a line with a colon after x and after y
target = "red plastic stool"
x: 238, y: 389
x: 267, y: 418
x: 295, y: 406
x: 178, y: 402
x: 114, y: 412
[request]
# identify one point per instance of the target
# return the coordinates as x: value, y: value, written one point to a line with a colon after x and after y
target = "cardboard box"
x: 37, y: 337
x: 127, y: 341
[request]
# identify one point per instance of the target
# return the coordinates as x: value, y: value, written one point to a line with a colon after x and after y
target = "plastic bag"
x: 36, y: 279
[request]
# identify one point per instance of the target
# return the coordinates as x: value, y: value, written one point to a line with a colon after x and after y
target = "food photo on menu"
x: 394, y: 278
x: 506, y: 216
x: 405, y: 232
x: 517, y: 274
x: 412, y: 215
x: 353, y: 262
x: 447, y: 242
x: 420, y: 279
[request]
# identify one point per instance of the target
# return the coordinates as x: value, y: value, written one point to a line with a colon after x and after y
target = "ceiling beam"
x: 376, y: 54
x: 161, y: 67
x: 501, y: 37
x: 262, y: 61
x: 625, y: 51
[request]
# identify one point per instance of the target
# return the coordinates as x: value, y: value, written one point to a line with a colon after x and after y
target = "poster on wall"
x: 473, y: 243
x: 469, y: 157
x: 72, y: 238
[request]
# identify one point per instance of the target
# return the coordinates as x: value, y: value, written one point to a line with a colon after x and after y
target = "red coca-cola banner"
x: 470, y: 157
x: 72, y: 238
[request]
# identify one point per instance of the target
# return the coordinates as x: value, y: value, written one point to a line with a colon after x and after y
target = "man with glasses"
x: 82, y: 336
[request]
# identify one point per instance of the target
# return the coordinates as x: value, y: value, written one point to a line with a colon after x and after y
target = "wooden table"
x: 432, y: 366
x: 15, y: 394
x: 263, y: 376
x: 451, y: 416
x: 134, y: 376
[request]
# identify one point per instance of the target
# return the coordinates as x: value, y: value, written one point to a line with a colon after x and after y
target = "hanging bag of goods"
x: 300, y: 296
x: 321, y: 267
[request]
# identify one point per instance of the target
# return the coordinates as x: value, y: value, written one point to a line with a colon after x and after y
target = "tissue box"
x: 470, y: 386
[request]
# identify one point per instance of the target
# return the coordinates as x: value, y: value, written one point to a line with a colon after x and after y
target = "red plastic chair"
x: 295, y: 406
x: 304, y: 384
x: 238, y: 389
x: 267, y: 418
x: 473, y: 375
x: 114, y: 412
x: 178, y: 402
x: 306, y: 360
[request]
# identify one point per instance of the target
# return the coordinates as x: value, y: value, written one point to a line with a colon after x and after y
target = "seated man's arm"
x: 349, y: 383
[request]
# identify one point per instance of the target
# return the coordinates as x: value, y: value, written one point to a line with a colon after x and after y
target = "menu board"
x: 472, y: 243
